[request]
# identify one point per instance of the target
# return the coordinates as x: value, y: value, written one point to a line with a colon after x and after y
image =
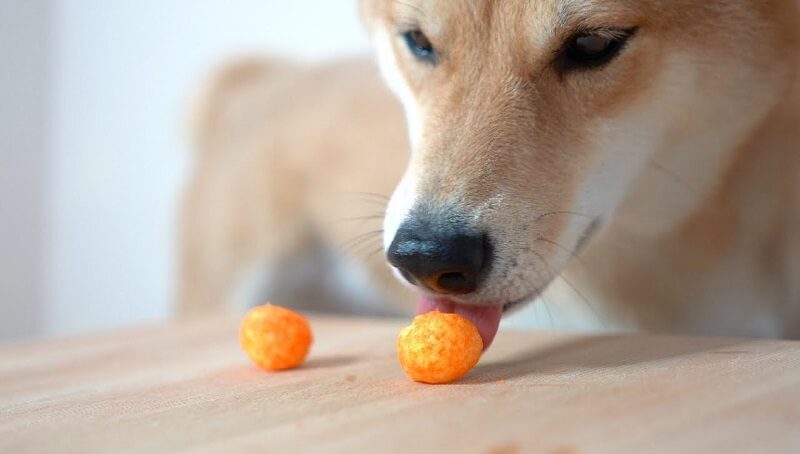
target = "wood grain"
x: 189, y: 387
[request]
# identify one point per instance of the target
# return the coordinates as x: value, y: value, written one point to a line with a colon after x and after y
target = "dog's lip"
x: 485, y: 317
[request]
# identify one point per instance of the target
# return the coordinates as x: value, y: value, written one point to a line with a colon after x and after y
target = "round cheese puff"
x: 275, y: 338
x: 439, y: 347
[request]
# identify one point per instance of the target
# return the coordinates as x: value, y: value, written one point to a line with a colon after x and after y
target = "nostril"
x: 453, y: 282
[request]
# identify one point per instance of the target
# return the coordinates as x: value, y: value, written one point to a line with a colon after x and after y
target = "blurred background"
x: 93, y: 151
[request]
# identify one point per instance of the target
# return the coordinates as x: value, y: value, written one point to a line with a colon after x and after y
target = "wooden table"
x: 188, y: 386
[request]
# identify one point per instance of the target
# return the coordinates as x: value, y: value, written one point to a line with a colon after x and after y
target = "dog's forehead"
x: 439, y: 15
x: 525, y: 22
x: 440, y: 19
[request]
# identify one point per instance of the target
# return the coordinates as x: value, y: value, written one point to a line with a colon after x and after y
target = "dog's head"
x: 532, y: 121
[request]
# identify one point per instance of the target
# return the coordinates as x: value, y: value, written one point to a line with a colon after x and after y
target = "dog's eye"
x: 420, y: 46
x: 589, y: 50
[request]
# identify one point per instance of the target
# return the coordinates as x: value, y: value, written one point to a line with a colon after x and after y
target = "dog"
x: 293, y: 167
x: 646, y: 149
x: 643, y: 155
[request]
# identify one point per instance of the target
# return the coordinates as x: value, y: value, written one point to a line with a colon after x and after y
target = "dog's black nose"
x: 444, y: 261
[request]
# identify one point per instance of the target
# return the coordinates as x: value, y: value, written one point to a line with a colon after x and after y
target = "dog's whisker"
x: 571, y: 252
x: 571, y: 213
x: 577, y: 292
x: 371, y: 195
x: 547, y: 309
x: 540, y: 292
x: 664, y: 170
x: 677, y: 179
x: 584, y: 299
x: 371, y: 217
x: 374, y: 202
x: 358, y: 239
x: 356, y: 250
x: 372, y: 253
x: 367, y: 244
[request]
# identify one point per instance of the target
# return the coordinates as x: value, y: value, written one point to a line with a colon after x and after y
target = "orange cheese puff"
x: 274, y: 337
x: 439, y: 347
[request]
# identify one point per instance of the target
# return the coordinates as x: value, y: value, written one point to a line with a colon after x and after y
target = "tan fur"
x: 684, y: 149
x: 702, y: 238
x: 748, y: 222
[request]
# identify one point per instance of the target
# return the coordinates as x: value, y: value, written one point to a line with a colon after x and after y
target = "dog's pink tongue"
x: 485, y: 318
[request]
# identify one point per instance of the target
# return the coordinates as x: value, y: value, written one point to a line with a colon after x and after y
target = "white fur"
x: 405, y: 195
x: 387, y: 61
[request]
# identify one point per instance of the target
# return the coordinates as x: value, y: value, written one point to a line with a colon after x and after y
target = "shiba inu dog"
x: 647, y: 149
x: 645, y: 152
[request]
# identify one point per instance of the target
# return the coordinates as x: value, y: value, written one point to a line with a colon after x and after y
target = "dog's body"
x: 662, y: 185
x: 282, y: 200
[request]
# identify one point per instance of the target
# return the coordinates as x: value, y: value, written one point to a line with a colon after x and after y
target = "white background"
x: 93, y: 94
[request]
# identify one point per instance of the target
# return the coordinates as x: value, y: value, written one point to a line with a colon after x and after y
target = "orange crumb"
x: 501, y: 382
x: 439, y: 347
x: 274, y: 337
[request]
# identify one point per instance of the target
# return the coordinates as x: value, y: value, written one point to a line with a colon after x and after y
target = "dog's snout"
x: 446, y: 262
